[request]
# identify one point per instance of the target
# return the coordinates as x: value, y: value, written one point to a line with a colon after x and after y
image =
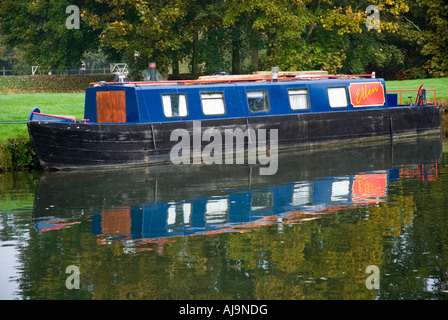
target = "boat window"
x: 213, y: 103
x: 261, y: 200
x: 174, y: 105
x: 303, y: 194
x: 299, y: 99
x: 258, y: 101
x: 337, y: 97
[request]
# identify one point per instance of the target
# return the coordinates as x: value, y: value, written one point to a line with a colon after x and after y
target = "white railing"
x: 35, y: 70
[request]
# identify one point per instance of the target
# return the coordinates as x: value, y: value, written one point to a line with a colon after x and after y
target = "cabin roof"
x: 222, y: 80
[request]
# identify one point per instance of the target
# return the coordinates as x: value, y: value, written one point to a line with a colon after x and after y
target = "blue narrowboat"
x: 131, y: 123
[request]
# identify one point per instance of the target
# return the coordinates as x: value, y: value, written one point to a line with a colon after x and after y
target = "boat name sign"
x: 366, y: 94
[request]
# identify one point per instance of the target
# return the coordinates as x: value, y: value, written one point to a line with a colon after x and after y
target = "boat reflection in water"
x: 158, y: 202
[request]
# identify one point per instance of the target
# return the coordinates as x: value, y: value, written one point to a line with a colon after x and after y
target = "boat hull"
x: 79, y: 145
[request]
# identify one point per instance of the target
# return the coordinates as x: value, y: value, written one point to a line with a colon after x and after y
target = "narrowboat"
x: 132, y: 123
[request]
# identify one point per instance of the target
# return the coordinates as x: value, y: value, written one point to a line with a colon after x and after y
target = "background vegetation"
x: 49, y: 83
x: 237, y: 36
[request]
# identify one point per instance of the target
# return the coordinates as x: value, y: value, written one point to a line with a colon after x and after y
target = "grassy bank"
x: 15, y: 147
x: 440, y: 84
x: 16, y: 151
x: 17, y: 154
x: 17, y: 107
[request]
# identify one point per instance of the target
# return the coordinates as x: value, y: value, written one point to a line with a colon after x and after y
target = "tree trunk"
x: 272, y: 39
x: 194, y: 58
x: 175, y: 65
x: 253, y: 50
x: 236, y: 59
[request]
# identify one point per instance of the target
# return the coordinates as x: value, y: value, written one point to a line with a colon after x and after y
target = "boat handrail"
x: 226, y: 80
x: 411, y: 90
x: 71, y: 118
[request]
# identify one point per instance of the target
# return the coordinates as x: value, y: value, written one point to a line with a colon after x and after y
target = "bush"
x: 50, y: 83
x: 5, y: 156
x: 17, y: 154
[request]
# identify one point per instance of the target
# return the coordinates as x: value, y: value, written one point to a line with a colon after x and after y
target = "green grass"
x: 18, y: 106
x: 440, y: 84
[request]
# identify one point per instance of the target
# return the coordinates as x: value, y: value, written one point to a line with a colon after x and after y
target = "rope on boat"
x: 433, y: 113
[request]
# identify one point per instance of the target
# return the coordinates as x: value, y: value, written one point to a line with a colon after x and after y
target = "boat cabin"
x: 186, y: 101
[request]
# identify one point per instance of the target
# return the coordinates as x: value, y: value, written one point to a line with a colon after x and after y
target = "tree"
x: 234, y: 35
x: 38, y: 28
x: 334, y: 37
x: 11, y: 59
x: 142, y: 31
x: 425, y: 28
x: 315, y: 34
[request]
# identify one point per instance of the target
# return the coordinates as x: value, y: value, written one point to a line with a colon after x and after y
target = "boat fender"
x: 421, y: 96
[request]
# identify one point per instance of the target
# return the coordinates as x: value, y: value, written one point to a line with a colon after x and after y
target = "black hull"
x: 78, y: 145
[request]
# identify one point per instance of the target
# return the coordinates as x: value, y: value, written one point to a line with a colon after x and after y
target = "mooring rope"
x: 14, y: 122
x: 433, y: 113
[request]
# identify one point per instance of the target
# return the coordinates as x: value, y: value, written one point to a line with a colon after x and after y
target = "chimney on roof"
x: 152, y: 71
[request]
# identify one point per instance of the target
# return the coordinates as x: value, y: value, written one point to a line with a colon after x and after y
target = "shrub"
x: 17, y: 154
x: 6, y: 162
x: 50, y: 83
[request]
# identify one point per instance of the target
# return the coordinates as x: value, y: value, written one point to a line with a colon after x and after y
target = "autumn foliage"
x: 236, y: 35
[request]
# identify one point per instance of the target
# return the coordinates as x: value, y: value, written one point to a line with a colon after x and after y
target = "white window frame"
x: 167, y: 108
x: 337, y: 97
x: 213, y: 103
x: 296, y: 105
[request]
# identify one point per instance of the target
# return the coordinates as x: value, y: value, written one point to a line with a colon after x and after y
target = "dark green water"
x: 225, y: 232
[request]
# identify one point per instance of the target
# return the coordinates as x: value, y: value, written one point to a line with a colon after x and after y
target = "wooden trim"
x: 111, y: 106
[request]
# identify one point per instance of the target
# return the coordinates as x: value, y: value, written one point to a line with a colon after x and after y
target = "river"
x: 355, y: 222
